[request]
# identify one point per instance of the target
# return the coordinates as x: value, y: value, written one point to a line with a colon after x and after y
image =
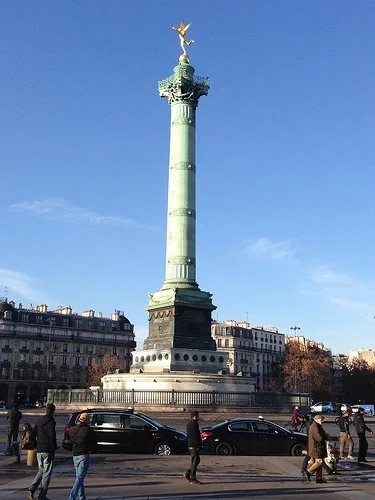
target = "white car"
x: 323, y: 407
x: 369, y: 409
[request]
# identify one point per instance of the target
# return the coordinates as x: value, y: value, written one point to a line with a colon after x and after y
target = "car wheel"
x: 224, y: 449
x: 297, y: 450
x: 163, y: 448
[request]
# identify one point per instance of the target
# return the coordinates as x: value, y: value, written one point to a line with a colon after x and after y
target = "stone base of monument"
x: 179, y: 382
x: 175, y: 359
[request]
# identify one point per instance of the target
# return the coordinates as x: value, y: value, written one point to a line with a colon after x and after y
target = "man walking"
x: 45, y: 434
x: 345, y: 437
x: 194, y: 444
x: 317, y: 448
x: 84, y: 441
x: 361, y: 428
x: 13, y: 416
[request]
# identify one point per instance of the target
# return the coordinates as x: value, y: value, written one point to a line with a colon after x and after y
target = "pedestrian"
x: 361, y: 428
x: 84, y: 441
x: 297, y: 417
x: 317, y: 448
x: 45, y: 434
x: 27, y: 441
x: 344, y: 424
x: 194, y: 445
x: 13, y: 416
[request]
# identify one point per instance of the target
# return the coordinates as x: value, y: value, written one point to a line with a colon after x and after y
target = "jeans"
x: 195, y: 459
x: 81, y: 465
x: 12, y: 436
x: 43, y: 477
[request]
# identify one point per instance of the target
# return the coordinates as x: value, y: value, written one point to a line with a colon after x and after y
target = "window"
x: 63, y: 375
x: 4, y: 372
x: 114, y: 351
x: 90, y: 325
x: 39, y: 320
x: 219, y: 342
x: 101, y: 325
x: 268, y: 428
x: 134, y: 423
x: 65, y: 347
x: 241, y: 426
x: 65, y: 322
x: 64, y: 360
x: 226, y: 342
x: 107, y: 420
x: 78, y: 361
x: 25, y: 318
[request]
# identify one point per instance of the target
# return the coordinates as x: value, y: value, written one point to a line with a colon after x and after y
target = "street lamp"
x: 295, y: 328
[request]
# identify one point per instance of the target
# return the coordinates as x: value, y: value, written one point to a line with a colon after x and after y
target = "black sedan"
x: 127, y: 431
x: 252, y: 436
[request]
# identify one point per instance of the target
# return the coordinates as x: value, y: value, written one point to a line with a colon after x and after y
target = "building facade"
x: 252, y: 350
x: 43, y: 349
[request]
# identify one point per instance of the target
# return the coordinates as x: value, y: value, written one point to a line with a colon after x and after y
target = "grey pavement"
x: 141, y: 477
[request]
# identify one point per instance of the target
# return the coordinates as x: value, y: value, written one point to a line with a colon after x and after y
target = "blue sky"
x: 285, y: 159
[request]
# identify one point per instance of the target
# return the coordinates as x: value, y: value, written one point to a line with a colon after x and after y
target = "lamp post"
x: 295, y: 328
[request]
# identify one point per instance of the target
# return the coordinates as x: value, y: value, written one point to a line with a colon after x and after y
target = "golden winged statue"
x: 182, y: 30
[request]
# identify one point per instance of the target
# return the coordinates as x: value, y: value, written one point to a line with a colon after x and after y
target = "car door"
x: 108, y: 429
x: 272, y: 439
x: 139, y: 434
x: 241, y: 435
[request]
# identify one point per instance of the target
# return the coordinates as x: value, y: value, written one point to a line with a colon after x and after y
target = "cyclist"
x: 297, y: 417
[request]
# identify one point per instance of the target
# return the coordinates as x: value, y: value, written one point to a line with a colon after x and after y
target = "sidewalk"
x: 141, y: 477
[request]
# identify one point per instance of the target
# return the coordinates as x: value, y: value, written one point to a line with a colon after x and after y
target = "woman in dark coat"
x: 317, y: 448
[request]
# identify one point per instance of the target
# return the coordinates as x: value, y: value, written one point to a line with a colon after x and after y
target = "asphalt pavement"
x: 141, y: 477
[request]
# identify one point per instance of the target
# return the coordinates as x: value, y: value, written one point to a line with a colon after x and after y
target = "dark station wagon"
x: 252, y: 436
x: 127, y: 431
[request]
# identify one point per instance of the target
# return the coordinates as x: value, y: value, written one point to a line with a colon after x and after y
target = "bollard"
x: 31, y: 458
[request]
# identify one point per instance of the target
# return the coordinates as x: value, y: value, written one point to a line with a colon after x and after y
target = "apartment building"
x: 252, y: 349
x: 42, y: 349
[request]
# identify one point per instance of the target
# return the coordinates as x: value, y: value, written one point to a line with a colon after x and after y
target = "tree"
x: 357, y: 382
x: 108, y: 364
x: 306, y: 368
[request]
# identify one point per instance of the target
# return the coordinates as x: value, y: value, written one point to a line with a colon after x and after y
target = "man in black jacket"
x: 194, y: 444
x: 361, y: 428
x: 84, y: 441
x: 13, y: 416
x: 45, y: 434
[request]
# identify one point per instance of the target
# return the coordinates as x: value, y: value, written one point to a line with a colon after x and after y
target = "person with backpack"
x: 45, y: 434
x: 344, y: 424
x: 84, y: 442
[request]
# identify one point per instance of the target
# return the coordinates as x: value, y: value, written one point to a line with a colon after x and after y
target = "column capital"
x: 184, y: 86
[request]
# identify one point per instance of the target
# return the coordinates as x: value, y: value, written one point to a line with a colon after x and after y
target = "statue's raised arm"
x: 182, y: 30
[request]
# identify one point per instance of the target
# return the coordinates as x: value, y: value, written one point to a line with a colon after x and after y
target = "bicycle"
x: 300, y: 427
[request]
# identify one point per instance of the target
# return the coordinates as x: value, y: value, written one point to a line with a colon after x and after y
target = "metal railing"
x: 176, y: 398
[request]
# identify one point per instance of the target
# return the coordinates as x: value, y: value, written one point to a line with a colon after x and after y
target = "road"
x: 141, y: 477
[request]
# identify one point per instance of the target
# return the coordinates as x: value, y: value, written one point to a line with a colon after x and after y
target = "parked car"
x: 369, y: 409
x: 127, y: 431
x: 323, y: 407
x: 252, y: 436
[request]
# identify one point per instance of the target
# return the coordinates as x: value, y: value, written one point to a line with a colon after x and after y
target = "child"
x: 27, y: 442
